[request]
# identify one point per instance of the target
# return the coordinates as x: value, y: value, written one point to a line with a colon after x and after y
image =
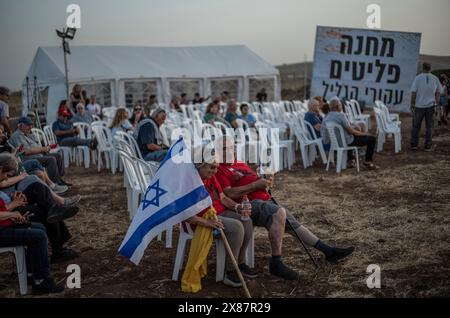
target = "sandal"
x: 371, y: 166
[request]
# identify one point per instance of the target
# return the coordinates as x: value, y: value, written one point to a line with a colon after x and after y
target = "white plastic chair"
x: 383, y: 129
x: 358, y: 112
x: 341, y: 149
x: 391, y: 118
x: 133, y: 186
x: 351, y: 117
x: 128, y: 138
x: 83, y: 153
x: 187, y: 234
x: 21, y: 264
x: 67, y: 152
x: 105, y: 146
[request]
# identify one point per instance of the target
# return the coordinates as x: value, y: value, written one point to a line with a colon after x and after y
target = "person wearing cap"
x: 425, y: 93
x: 4, y: 108
x: 149, y: 137
x: 32, y: 149
x: 67, y: 135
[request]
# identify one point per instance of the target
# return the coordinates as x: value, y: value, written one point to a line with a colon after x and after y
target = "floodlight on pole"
x: 66, y: 34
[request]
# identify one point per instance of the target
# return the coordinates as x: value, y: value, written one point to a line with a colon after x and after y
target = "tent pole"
x: 66, y: 71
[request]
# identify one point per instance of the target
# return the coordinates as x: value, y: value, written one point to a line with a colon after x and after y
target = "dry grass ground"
x: 397, y: 217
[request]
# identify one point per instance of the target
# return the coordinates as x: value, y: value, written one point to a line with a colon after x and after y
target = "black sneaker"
x: 232, y: 279
x: 278, y: 268
x: 247, y: 271
x: 428, y: 148
x: 59, y: 213
x: 48, y: 286
x: 339, y: 253
x: 64, y: 255
x: 414, y: 148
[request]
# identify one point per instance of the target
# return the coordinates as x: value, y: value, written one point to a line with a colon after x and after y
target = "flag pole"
x: 235, y: 264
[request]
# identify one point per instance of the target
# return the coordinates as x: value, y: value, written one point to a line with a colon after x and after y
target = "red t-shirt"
x: 4, y: 223
x: 240, y: 174
x: 214, y: 189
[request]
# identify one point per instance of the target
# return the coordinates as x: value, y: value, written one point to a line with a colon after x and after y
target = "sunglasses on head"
x: 137, y: 109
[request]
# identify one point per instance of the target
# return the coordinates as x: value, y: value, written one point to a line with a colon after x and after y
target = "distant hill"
x: 292, y: 75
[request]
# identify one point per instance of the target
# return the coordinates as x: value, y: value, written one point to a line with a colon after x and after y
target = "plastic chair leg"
x: 21, y: 264
x: 220, y: 262
x: 179, y: 257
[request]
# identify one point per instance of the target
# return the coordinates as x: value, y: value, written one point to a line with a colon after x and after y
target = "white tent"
x: 120, y: 74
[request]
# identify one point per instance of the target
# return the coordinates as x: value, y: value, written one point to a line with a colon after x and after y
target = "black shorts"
x: 262, y: 212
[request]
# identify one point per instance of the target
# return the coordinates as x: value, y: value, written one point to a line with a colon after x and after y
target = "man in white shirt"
x: 93, y: 108
x: 425, y: 92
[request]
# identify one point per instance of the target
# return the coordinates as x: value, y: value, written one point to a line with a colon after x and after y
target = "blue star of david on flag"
x: 158, y: 193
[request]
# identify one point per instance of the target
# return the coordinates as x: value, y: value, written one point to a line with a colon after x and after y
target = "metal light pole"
x: 66, y: 70
x: 68, y: 33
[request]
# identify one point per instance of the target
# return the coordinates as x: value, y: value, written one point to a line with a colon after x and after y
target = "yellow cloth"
x: 196, y: 266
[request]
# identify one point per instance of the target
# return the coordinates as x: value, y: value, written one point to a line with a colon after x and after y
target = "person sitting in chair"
x: 149, y: 137
x: 238, y: 231
x: 238, y: 179
x: 353, y: 137
x: 67, y: 134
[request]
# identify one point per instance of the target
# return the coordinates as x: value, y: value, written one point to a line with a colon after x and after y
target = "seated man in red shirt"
x: 238, y: 179
x: 237, y: 229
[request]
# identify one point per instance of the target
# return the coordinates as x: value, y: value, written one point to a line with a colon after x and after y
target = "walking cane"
x: 296, y: 235
x: 235, y: 264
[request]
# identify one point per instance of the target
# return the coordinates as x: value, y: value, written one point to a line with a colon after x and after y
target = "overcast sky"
x: 281, y: 31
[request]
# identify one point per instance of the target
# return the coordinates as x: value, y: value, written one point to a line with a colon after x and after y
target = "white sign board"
x: 366, y: 65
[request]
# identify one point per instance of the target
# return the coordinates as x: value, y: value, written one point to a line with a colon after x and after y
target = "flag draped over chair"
x: 175, y: 194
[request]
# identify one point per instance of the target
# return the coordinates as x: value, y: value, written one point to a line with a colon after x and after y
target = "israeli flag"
x: 175, y: 194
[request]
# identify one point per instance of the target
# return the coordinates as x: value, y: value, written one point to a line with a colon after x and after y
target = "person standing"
x: 4, y: 109
x: 425, y: 92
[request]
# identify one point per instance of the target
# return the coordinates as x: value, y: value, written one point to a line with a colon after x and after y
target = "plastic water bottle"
x: 216, y: 233
x: 246, y: 206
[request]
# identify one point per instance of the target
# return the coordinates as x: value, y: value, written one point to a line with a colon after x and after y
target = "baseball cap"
x: 25, y: 121
x: 64, y: 113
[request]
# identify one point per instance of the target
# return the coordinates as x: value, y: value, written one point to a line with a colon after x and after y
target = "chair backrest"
x: 104, y: 137
x: 40, y: 136
x: 129, y: 169
x: 382, y: 119
x: 99, y: 123
x: 85, y: 130
x: 209, y: 132
x: 131, y: 142
x: 51, y: 138
x: 336, y: 134
x: 311, y: 132
x: 96, y: 118
x: 242, y: 123
x: 356, y: 107
x: 223, y: 128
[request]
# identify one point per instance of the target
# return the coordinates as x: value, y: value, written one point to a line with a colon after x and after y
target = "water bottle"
x: 216, y: 232
x: 246, y: 206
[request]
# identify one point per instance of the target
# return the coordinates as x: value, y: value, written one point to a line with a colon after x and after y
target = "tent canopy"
x: 117, y: 66
x: 100, y: 62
